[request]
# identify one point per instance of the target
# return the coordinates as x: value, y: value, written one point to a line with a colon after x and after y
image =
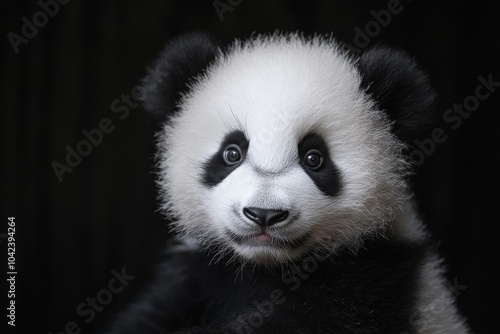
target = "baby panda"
x: 282, y: 165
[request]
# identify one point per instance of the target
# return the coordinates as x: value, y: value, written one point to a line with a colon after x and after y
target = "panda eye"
x: 313, y: 159
x: 232, y: 154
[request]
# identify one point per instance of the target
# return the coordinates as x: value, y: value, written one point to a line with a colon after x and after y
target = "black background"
x: 103, y: 215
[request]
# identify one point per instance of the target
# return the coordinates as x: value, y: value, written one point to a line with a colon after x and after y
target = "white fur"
x: 277, y: 90
x: 436, y: 313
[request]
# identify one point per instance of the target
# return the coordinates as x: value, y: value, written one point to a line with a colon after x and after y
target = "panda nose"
x: 265, y: 217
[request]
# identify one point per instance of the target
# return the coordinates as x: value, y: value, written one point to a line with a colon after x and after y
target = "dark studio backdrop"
x: 86, y: 239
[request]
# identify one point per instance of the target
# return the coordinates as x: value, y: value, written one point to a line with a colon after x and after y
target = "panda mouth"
x: 264, y: 239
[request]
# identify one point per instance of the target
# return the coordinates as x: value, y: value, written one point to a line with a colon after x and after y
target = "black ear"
x: 169, y: 76
x: 399, y: 88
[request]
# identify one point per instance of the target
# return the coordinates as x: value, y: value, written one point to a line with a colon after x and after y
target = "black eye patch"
x: 327, y: 176
x: 217, y: 167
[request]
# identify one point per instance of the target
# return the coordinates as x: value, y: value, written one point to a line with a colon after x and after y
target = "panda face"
x: 276, y: 150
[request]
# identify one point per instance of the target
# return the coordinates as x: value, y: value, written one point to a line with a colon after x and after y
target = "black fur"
x: 179, y: 62
x: 215, y: 169
x: 372, y: 291
x: 327, y: 178
x: 400, y: 88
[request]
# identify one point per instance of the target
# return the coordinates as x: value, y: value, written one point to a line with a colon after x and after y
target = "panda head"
x: 273, y: 146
